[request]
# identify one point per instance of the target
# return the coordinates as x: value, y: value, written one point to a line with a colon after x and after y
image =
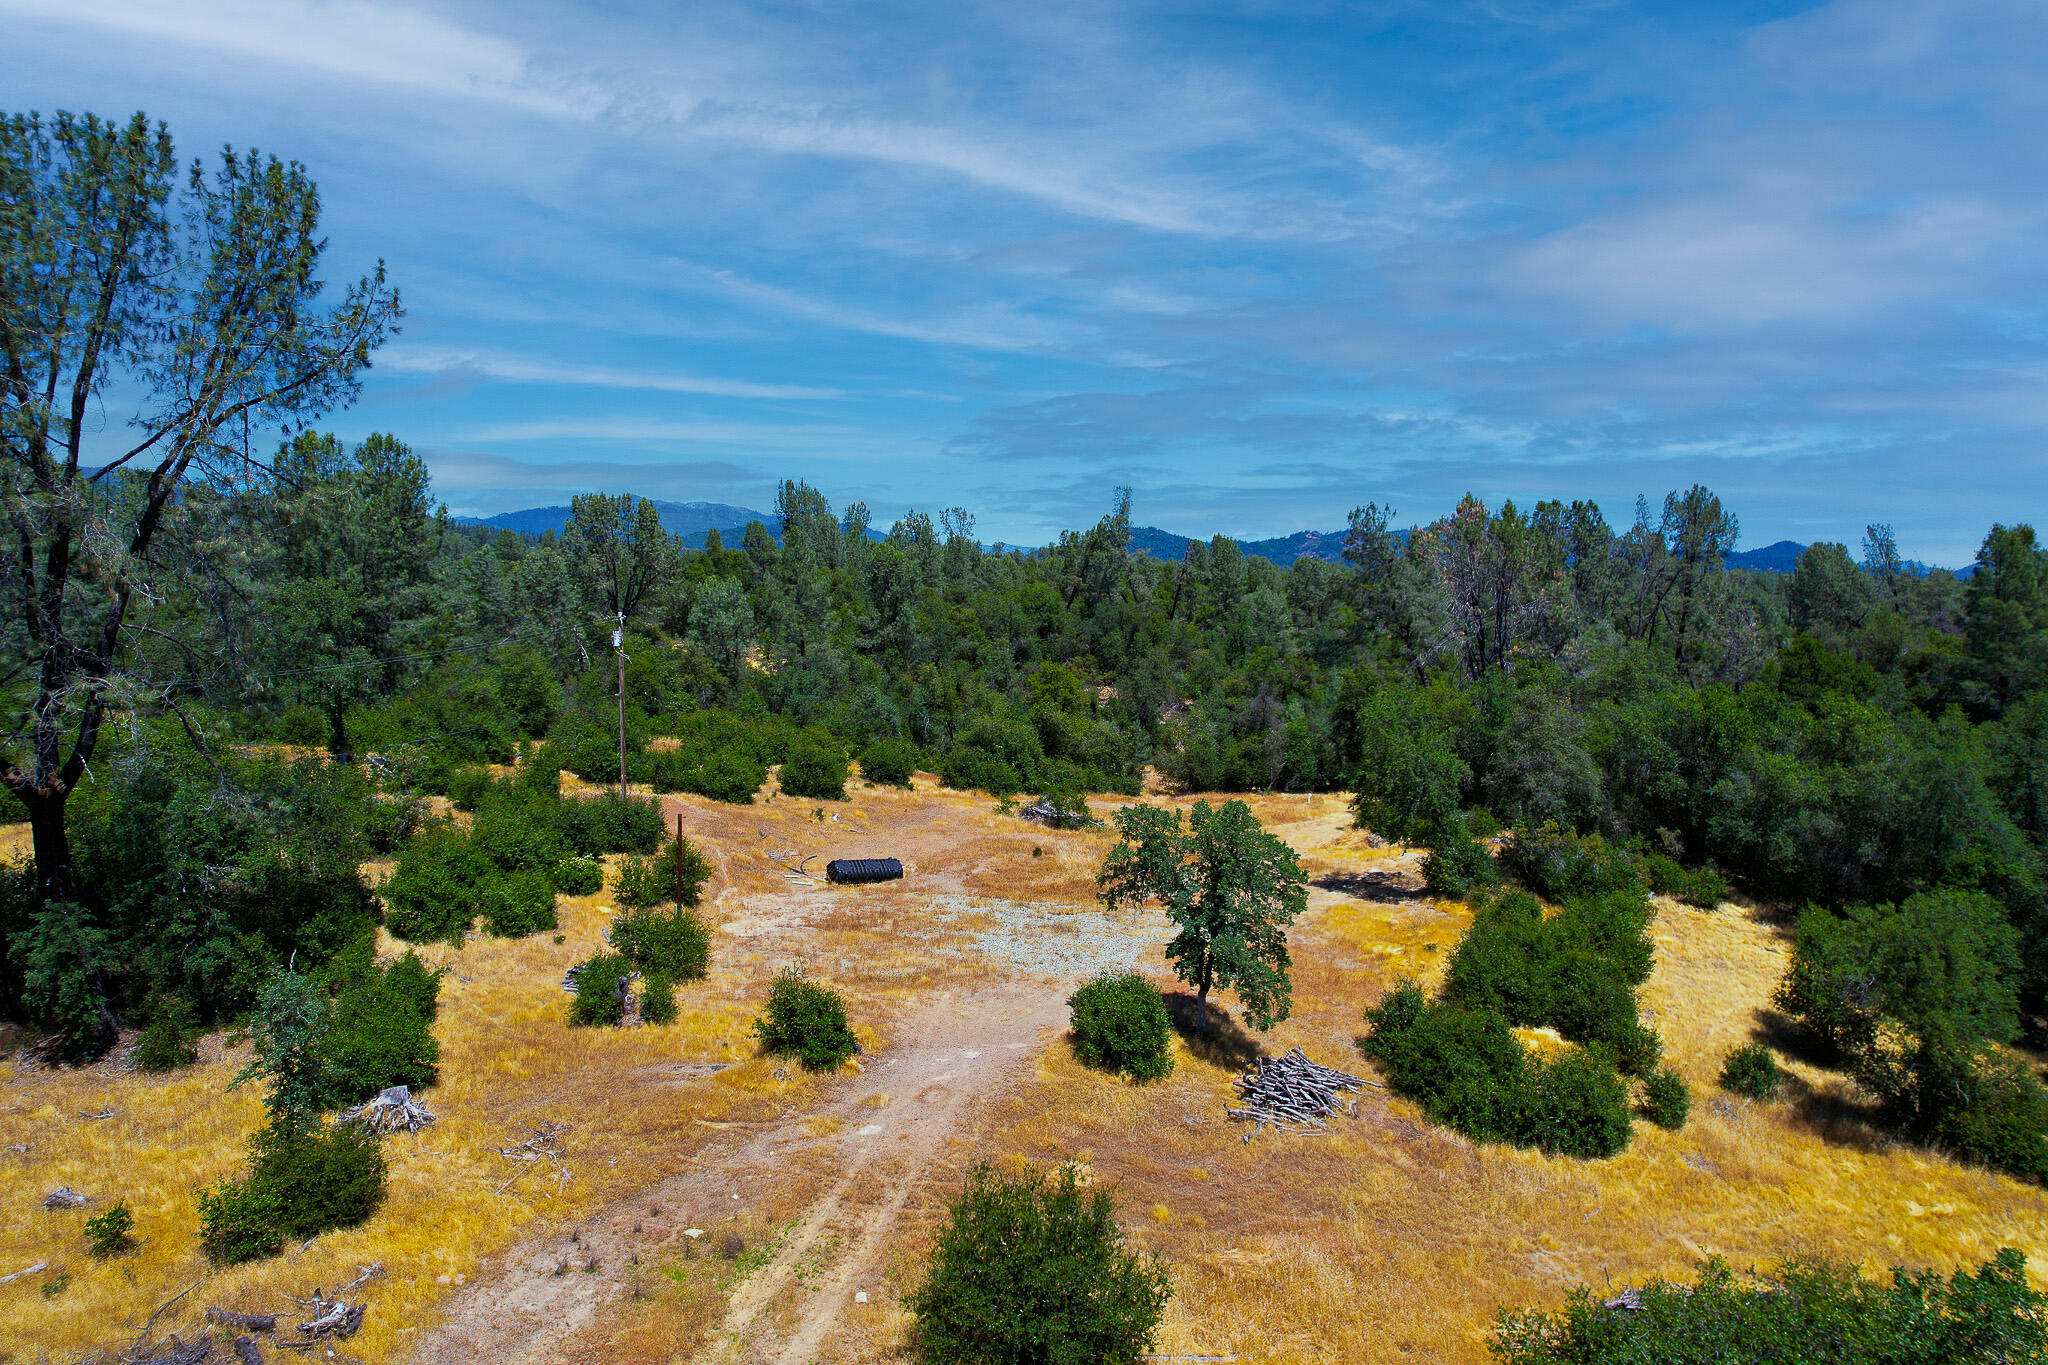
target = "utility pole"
x: 619, y: 648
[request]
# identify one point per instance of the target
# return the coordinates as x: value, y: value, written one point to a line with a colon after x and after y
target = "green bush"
x: 515, y: 904
x: 389, y: 821
x: 641, y: 882
x: 1805, y: 1312
x: 1459, y: 865
x: 1704, y: 889
x: 731, y: 775
x: 1467, y: 1071
x: 670, y: 943
x: 1032, y: 1269
x: 1576, y: 1106
x: 169, y: 1041
x: 1751, y: 1071
x: 303, y: 725
x: 610, y: 823
x: 658, y: 1001
x: 541, y: 771
x: 808, y: 1020
x: 1462, y: 1065
x: 302, y: 1181
x: 470, y: 786
x: 889, y: 762
x: 1666, y: 1102
x: 379, y: 1032
x: 599, y: 1000
x: 817, y: 769
x: 107, y: 1234
x: 432, y: 895
x: 1981, y: 1106
x: 1120, y: 1024
x: 578, y: 876
x: 1559, y: 865
x: 518, y: 832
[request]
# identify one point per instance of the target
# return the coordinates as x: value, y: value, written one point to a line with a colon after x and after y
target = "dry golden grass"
x: 1392, y: 1239
x: 1387, y: 1240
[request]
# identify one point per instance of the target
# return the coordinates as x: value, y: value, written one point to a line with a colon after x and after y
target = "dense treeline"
x: 1847, y: 733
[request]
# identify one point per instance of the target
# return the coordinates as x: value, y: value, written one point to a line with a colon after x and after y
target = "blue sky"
x: 1262, y: 262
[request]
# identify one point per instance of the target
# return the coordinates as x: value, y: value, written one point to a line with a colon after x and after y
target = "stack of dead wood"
x: 393, y: 1109
x: 1293, y: 1094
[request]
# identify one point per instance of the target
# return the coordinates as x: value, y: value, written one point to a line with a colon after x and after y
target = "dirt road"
x: 525, y: 1310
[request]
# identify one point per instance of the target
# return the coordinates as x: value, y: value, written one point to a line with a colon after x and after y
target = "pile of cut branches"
x: 1293, y: 1094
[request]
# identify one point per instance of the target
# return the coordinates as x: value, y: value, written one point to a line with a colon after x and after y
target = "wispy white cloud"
x: 356, y: 40
x: 454, y: 362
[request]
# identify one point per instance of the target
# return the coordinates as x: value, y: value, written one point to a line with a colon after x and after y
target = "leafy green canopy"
x: 1804, y: 1313
x: 1120, y: 1024
x: 1231, y: 887
x: 1032, y: 1270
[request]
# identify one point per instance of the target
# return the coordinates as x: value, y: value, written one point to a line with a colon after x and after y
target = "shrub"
x: 1666, y: 1101
x: 169, y: 1041
x: 889, y: 762
x: 731, y: 775
x: 1461, y: 1065
x: 815, y: 769
x: 641, y: 882
x: 1576, y: 1106
x: 518, y: 833
x: 1120, y: 1024
x: 600, y: 991
x: 469, y: 786
x: 1704, y: 888
x: 516, y: 904
x: 1983, y: 1107
x: 578, y: 876
x: 1560, y: 865
x: 1467, y: 1071
x: 1033, y: 1269
x: 658, y: 1001
x: 389, y: 821
x: 1806, y: 1311
x: 432, y: 893
x: 1459, y: 865
x: 540, y: 772
x: 239, y: 1221
x: 379, y: 1033
x: 107, y: 1234
x: 302, y: 1181
x: 303, y: 725
x: 670, y: 943
x: 610, y: 823
x: 808, y: 1020
x: 1751, y: 1071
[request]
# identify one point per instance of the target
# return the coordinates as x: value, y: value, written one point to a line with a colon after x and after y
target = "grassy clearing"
x: 1389, y: 1240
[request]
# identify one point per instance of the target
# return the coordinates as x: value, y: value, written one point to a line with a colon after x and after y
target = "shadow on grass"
x: 1225, y: 1045
x: 1782, y: 1033
x: 1386, y: 888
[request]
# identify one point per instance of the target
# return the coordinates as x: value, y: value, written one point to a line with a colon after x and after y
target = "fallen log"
x: 248, y: 1322
x: 246, y: 1348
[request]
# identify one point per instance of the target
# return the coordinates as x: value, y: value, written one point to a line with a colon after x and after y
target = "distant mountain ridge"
x: 677, y: 518
x: 692, y: 522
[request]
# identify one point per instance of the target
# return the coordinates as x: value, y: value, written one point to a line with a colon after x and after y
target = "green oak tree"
x: 1231, y: 887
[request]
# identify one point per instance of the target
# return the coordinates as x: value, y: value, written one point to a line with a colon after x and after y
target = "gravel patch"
x: 1053, y: 940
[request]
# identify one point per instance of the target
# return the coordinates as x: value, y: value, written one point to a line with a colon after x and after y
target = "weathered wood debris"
x: 64, y: 1197
x: 1293, y: 1094
x: 393, y: 1109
